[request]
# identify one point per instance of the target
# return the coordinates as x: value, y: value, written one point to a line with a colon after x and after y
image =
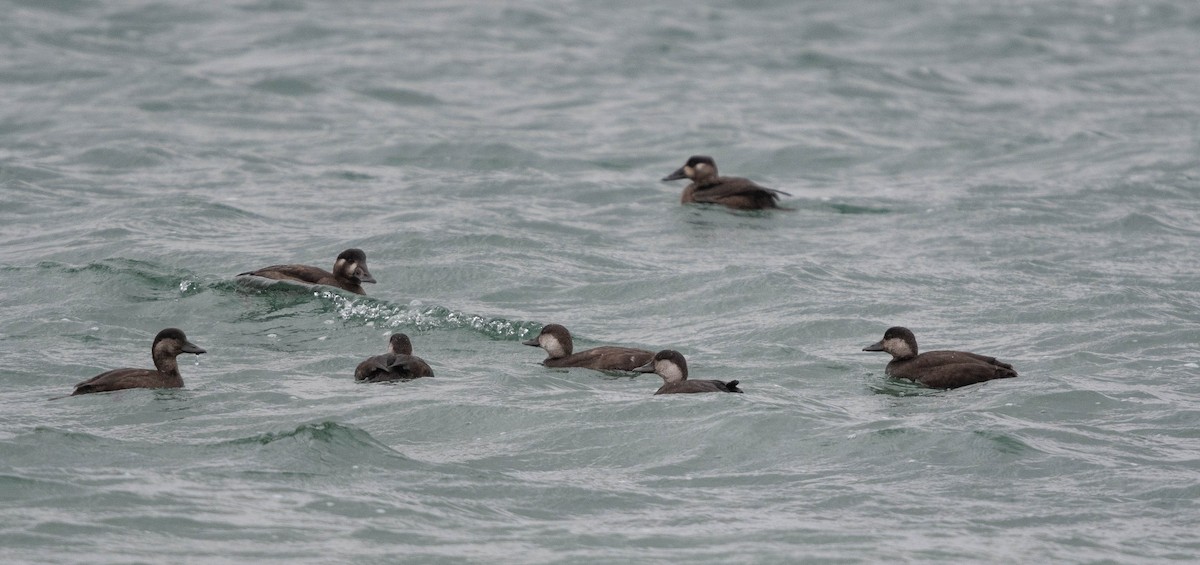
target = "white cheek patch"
x: 552, y: 345
x: 339, y: 266
x: 668, y: 371
x: 689, y: 172
x: 897, y: 347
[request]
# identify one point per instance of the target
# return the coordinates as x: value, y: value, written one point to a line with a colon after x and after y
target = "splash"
x: 418, y: 315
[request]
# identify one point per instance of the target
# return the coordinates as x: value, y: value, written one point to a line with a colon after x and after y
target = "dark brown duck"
x: 556, y: 340
x: 349, y: 272
x: 937, y: 369
x: 672, y: 367
x: 398, y: 364
x: 710, y: 188
x: 168, y: 344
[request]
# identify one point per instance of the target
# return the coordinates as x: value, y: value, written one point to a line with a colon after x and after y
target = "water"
x: 1018, y: 179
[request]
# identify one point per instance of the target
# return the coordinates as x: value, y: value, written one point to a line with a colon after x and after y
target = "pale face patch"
x: 553, y: 347
x: 668, y: 370
x: 347, y: 269
x: 897, y: 347
x: 689, y: 172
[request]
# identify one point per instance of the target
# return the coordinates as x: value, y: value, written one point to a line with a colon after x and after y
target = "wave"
x: 325, y: 432
x: 381, y: 313
x: 315, y: 448
x: 172, y: 282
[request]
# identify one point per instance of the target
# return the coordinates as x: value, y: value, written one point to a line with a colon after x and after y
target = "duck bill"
x: 189, y: 347
x: 647, y: 368
x: 366, y: 277
x: 875, y: 346
x: 679, y: 174
x: 533, y: 342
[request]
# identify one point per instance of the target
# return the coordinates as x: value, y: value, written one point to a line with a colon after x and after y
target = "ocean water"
x: 1020, y: 179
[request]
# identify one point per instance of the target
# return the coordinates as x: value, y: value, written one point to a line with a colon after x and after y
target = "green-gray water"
x: 1018, y: 179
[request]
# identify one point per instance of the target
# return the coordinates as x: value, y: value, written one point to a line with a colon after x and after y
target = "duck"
x: 672, y: 367
x: 708, y: 187
x: 398, y: 364
x: 168, y: 345
x: 937, y: 369
x: 556, y: 340
x: 349, y: 272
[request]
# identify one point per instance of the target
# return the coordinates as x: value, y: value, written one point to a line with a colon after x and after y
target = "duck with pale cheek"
x: 398, y: 364
x: 168, y: 345
x: 710, y: 188
x: 556, y: 340
x: 937, y: 369
x: 349, y: 272
x: 671, y: 366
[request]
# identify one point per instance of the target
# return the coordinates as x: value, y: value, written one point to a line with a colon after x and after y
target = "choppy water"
x: 1015, y: 178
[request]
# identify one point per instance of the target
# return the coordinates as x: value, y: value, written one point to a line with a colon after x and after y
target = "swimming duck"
x: 168, y: 344
x: 937, y: 369
x: 556, y: 340
x: 672, y: 367
x: 709, y: 187
x: 349, y: 272
x: 398, y: 364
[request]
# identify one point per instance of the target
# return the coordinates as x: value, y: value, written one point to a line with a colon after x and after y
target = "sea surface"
x: 1016, y: 178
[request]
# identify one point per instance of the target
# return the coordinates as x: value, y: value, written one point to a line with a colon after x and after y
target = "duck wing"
x: 962, y: 374
x: 952, y: 369
x: 690, y: 387
x: 392, y: 367
x: 608, y: 358
x: 738, y: 193
x: 120, y: 379
x: 302, y: 273
x: 987, y: 360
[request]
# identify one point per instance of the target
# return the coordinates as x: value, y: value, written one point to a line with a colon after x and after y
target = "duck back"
x: 120, y: 379
x: 392, y: 367
x: 604, y: 359
x: 950, y: 369
x: 688, y: 387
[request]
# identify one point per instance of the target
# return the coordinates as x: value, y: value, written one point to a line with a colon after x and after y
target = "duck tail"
x: 732, y: 386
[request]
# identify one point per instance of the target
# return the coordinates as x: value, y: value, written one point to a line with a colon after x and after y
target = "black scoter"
x: 936, y: 369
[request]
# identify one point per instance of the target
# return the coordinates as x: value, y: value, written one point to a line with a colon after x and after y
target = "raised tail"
x: 731, y: 386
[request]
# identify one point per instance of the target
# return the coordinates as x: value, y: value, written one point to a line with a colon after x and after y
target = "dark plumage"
x: 672, y: 367
x: 168, y: 344
x: 556, y: 340
x: 398, y: 364
x: 937, y: 369
x: 349, y: 272
x: 710, y: 188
